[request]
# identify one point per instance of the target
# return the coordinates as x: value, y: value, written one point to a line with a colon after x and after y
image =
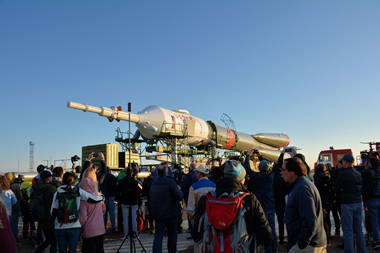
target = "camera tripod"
x: 132, y: 236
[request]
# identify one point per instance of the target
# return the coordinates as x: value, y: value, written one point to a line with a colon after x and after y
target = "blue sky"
x: 309, y: 69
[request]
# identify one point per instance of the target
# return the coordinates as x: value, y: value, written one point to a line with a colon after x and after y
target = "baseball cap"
x: 202, y: 169
x: 348, y: 157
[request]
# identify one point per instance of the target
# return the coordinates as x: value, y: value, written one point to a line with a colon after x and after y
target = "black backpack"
x: 37, y: 207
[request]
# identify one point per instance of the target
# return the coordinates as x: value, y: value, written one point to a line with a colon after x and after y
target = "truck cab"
x: 332, y: 156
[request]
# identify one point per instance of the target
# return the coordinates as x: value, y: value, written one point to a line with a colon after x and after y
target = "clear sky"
x: 310, y: 69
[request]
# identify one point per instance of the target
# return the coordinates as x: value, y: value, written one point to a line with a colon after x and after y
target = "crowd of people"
x: 230, y: 207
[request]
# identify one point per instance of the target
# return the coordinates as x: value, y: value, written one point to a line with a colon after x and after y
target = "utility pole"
x: 31, y: 155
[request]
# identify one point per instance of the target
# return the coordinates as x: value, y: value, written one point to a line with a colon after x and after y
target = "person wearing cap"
x: 196, y: 191
x: 349, y: 186
x: 303, y: 212
x: 233, y: 183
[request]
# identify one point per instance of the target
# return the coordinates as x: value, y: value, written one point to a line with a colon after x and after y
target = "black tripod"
x: 132, y: 235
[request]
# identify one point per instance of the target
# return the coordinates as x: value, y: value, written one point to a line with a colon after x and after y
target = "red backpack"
x: 225, y: 228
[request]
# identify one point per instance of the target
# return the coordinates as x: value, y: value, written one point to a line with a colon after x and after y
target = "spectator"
x: 45, y: 188
x: 90, y: 214
x: 322, y: 181
x: 349, y: 185
x: 231, y: 185
x: 10, y: 200
x: 28, y: 224
x: 108, y: 189
x: 371, y: 193
x: 303, y: 213
x: 16, y: 209
x: 145, y: 193
x: 40, y: 168
x: 335, y: 204
x: 188, y: 180
x: 57, y: 176
x: 129, y: 193
x: 261, y: 184
x: 8, y: 241
x: 164, y: 196
x: 197, y: 190
x: 65, y: 209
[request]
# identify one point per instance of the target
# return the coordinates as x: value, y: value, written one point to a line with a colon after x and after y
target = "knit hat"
x: 234, y: 169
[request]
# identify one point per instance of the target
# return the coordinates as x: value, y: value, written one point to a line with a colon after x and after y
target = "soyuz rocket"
x: 158, y: 122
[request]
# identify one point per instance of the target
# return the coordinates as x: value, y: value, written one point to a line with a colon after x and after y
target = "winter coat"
x: 128, y: 191
x: 349, y: 186
x: 164, y: 197
x: 91, y: 213
x: 83, y: 195
x: 256, y: 221
x: 304, y: 215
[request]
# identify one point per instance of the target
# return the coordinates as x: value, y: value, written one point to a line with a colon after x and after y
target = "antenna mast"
x: 31, y: 155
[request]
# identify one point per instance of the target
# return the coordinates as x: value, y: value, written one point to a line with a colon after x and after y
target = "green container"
x: 110, y: 151
x: 124, y: 159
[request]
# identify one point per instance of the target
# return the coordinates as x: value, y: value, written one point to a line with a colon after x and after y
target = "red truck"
x: 332, y: 156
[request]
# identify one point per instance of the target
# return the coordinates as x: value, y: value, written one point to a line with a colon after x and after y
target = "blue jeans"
x: 373, y: 205
x: 69, y: 236
x: 14, y: 218
x: 125, y: 209
x: 110, y: 209
x: 171, y: 229
x: 352, y: 218
x: 271, y: 219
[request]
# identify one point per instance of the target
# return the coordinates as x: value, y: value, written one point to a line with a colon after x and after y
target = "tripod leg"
x: 121, y: 245
x: 142, y: 246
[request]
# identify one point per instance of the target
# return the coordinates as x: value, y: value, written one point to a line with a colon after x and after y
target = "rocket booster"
x: 158, y: 122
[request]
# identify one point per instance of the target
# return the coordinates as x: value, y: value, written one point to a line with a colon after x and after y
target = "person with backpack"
x: 90, y: 215
x: 230, y: 219
x: 65, y: 210
x: 371, y: 194
x: 40, y: 203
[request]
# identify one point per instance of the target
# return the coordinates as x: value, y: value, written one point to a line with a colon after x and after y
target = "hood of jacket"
x: 88, y: 185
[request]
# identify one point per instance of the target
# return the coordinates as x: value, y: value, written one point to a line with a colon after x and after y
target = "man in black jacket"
x: 303, y: 213
x: 129, y: 193
x: 233, y: 182
x: 349, y: 186
x: 164, y: 196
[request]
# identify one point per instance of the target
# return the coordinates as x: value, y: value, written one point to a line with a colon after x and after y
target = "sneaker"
x: 376, y: 245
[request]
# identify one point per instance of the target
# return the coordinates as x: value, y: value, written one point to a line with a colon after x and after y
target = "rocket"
x: 160, y: 123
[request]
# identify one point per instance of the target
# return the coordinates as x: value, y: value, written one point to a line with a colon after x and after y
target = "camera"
x: 95, y: 155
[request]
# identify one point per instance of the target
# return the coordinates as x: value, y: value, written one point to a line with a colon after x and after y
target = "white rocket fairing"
x: 156, y: 122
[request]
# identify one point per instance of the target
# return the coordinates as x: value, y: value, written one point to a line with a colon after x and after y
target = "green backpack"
x: 68, y: 211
